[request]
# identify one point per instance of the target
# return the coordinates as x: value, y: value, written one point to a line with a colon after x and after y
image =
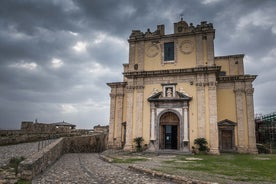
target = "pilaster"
x: 119, y: 120
x: 111, y: 120
x: 141, y: 53
x: 139, y: 112
x: 199, y: 51
x: 210, y: 49
x: 213, y: 127
x: 129, y: 118
x: 200, y: 90
x: 250, y: 118
x: 132, y: 48
x: 239, y: 92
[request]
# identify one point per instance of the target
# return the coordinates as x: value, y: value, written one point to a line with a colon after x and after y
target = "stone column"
x: 239, y: 92
x: 250, y: 119
x: 186, y: 128
x: 129, y: 119
x: 213, y: 127
x: 152, y: 123
x: 112, y: 120
x: 152, y: 144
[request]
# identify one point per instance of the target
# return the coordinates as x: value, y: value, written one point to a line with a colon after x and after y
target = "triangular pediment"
x: 178, y: 97
x: 226, y: 122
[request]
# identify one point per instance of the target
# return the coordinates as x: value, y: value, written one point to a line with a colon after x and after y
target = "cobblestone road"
x: 88, y: 168
x: 20, y: 150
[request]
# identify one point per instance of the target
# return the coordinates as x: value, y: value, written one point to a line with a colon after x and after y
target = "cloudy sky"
x: 56, y: 56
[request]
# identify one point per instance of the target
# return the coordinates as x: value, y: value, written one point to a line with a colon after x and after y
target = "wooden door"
x: 227, y: 143
x: 169, y: 131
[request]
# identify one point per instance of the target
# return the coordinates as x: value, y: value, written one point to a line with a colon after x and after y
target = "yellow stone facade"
x: 175, y: 90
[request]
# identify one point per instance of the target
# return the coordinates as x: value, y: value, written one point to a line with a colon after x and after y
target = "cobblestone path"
x: 88, y: 168
x: 20, y: 150
x: 17, y: 150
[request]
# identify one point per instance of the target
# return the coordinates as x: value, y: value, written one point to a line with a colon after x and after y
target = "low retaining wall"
x: 41, y: 160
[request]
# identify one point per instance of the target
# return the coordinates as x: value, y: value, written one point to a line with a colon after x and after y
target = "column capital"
x: 249, y: 91
x: 185, y: 107
x: 112, y: 95
x: 238, y: 91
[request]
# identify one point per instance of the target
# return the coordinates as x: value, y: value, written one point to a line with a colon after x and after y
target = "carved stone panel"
x: 152, y: 50
x: 186, y: 47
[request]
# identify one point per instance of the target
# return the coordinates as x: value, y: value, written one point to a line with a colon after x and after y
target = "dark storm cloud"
x: 56, y: 56
x: 28, y: 16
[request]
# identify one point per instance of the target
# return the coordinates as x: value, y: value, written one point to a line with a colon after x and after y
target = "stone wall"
x: 8, y: 137
x: 85, y: 144
x: 44, y: 127
x: 39, y: 161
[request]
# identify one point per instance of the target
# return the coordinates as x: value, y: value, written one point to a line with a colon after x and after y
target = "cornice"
x: 172, y: 72
x: 237, y: 78
x: 117, y: 84
x: 230, y: 56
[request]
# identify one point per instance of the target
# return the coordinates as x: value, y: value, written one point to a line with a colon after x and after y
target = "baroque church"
x: 175, y: 90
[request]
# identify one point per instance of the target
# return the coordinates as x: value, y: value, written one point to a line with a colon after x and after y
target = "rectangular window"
x: 169, y: 51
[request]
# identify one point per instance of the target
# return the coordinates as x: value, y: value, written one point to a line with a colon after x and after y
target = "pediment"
x: 226, y: 122
x: 178, y: 97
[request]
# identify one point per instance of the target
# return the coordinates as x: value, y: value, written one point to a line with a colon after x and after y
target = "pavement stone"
x: 89, y: 168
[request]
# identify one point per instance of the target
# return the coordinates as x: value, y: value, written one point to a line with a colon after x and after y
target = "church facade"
x: 175, y: 90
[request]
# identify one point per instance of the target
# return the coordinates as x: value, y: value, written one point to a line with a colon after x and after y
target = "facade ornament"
x: 154, y: 91
x: 183, y: 92
x: 169, y: 92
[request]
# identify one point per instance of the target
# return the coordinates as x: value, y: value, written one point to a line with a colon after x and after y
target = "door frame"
x: 162, y: 130
x: 228, y: 126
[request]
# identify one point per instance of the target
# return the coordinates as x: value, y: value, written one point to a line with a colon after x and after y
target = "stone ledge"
x: 178, y: 179
x: 106, y: 158
x: 39, y: 161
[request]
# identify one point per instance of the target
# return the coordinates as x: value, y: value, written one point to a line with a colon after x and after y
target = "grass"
x: 14, y: 162
x: 128, y: 160
x: 238, y: 167
x: 23, y: 182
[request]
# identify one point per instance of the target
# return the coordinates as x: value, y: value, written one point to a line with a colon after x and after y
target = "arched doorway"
x: 169, y: 131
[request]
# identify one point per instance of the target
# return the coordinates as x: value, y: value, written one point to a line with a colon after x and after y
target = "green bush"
x: 14, y: 162
x: 201, y: 144
x: 262, y: 149
x: 138, y: 141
